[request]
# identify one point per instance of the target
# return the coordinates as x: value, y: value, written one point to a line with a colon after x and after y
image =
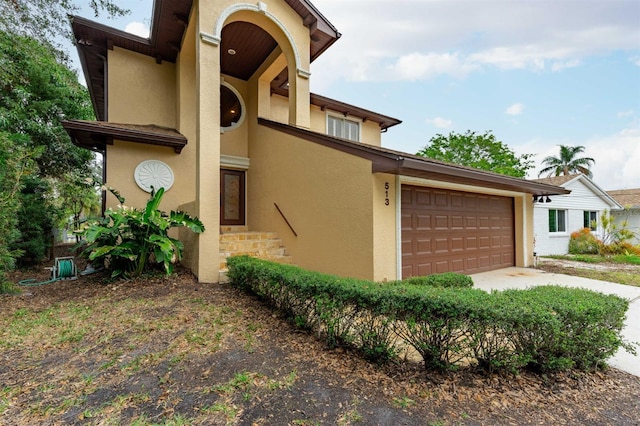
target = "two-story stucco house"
x: 215, y: 106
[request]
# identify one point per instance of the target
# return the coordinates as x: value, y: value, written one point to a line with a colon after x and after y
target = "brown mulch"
x: 294, y: 379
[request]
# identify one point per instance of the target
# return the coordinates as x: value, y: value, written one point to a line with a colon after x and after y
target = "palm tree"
x: 568, y: 162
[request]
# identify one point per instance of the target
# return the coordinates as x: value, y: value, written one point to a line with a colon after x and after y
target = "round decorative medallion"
x: 153, y: 173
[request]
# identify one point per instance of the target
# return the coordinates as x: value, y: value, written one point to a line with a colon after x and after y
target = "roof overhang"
x: 96, y: 135
x: 399, y: 163
x: 345, y: 109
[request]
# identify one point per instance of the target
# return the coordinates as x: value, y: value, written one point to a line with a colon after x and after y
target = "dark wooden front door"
x: 232, y: 195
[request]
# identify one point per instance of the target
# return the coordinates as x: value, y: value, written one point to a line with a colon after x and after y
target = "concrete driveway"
x: 525, y: 277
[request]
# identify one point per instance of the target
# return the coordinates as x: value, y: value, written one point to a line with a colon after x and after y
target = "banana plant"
x: 126, y: 240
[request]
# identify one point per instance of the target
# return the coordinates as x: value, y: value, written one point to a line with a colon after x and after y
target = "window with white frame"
x: 232, y: 109
x: 557, y: 220
x: 591, y: 220
x: 343, y: 128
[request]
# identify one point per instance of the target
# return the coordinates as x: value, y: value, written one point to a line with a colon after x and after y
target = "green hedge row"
x: 445, y: 321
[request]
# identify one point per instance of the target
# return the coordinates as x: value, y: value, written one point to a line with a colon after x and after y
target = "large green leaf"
x: 181, y: 218
x: 153, y: 204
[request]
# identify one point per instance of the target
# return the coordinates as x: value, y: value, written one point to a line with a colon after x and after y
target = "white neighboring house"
x: 630, y: 200
x: 556, y: 217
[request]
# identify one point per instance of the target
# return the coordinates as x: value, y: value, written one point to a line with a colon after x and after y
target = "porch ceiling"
x: 401, y: 163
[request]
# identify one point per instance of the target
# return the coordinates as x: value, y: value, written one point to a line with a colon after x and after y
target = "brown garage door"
x: 452, y: 231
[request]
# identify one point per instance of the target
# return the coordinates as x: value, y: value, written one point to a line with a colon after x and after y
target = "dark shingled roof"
x: 557, y: 180
x: 626, y: 197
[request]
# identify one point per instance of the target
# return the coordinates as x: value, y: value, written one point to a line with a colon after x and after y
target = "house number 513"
x: 386, y: 193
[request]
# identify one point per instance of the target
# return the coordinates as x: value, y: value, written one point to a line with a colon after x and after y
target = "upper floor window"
x: 232, y: 110
x: 591, y: 220
x: 557, y: 220
x: 343, y: 128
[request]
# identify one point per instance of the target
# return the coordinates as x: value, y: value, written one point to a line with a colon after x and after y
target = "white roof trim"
x: 613, y: 204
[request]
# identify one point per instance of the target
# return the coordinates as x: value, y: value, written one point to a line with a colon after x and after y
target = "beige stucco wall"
x: 144, y: 92
x: 140, y: 90
x: 525, y: 242
x: 207, y: 116
x: 326, y: 195
x: 122, y: 160
x: 186, y: 122
x: 371, y: 133
x: 280, y: 111
x: 385, y: 226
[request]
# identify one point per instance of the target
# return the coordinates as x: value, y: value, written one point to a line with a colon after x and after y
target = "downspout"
x: 105, y: 67
x: 398, y: 228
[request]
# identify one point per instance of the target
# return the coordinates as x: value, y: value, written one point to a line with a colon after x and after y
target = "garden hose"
x: 63, y: 269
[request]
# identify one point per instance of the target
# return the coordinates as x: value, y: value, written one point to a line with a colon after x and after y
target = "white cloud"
x: 416, y: 66
x: 138, y: 28
x: 561, y: 65
x: 616, y: 168
x: 511, y: 58
x: 626, y: 114
x: 515, y: 109
x: 422, y: 39
x: 439, y: 122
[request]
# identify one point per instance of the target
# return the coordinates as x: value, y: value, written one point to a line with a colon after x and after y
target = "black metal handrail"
x: 285, y: 219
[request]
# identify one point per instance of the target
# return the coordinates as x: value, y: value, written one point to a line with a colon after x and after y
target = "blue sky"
x: 536, y: 73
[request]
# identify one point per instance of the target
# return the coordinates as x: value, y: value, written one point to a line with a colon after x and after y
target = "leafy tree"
x: 77, y: 198
x: 567, y: 162
x: 482, y: 151
x: 38, y: 91
x: 47, y: 19
x: 35, y: 220
x: 16, y: 162
x: 127, y: 239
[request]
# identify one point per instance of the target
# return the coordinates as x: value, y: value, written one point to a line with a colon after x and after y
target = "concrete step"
x: 249, y: 235
x: 249, y: 245
x: 234, y: 228
x: 262, y: 245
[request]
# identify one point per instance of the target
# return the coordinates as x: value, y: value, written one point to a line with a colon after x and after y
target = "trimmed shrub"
x: 435, y: 321
x: 444, y: 280
x: 584, y: 327
x: 545, y: 328
x: 583, y: 242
